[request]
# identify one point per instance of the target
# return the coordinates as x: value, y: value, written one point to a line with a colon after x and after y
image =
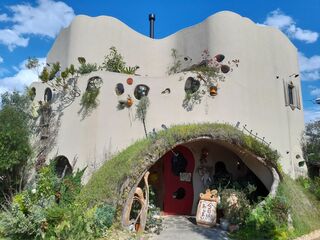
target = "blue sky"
x: 28, y: 28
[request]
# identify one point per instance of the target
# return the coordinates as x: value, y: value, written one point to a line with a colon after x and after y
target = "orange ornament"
x: 213, y: 90
x: 129, y: 81
x: 129, y: 102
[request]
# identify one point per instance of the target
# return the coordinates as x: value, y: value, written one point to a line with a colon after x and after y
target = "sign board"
x: 207, y: 209
x: 185, y: 177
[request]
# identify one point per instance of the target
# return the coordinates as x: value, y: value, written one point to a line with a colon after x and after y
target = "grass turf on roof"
x: 113, y: 181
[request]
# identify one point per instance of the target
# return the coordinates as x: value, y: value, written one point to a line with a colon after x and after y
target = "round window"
x: 119, y: 89
x: 192, y: 85
x: 141, y: 91
x: 179, y: 194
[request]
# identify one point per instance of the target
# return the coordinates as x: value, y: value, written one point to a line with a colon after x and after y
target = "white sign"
x: 185, y: 177
x: 207, y: 212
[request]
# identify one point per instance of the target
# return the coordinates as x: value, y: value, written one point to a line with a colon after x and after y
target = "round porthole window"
x: 141, y: 91
x: 94, y: 83
x: 47, y: 95
x: 192, y: 85
x: 119, y: 89
x: 179, y: 194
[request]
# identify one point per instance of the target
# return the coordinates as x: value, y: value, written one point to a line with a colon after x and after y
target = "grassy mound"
x: 304, y: 206
x: 113, y: 181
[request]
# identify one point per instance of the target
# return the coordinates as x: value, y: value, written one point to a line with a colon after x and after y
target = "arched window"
x: 62, y: 166
x: 47, y: 95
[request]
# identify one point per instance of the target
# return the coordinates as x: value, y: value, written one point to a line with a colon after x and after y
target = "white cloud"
x: 46, y: 20
x: 1, y: 59
x: 315, y: 92
x: 24, y: 77
x: 4, y: 18
x: 312, y: 115
x: 11, y: 39
x: 286, y: 24
x: 309, y: 67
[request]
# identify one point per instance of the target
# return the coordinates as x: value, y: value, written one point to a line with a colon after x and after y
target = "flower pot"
x: 213, y: 90
x: 129, y: 81
x: 225, y: 68
x: 219, y: 57
x: 129, y: 102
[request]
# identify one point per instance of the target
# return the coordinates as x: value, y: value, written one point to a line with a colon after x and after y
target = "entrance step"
x: 185, y: 228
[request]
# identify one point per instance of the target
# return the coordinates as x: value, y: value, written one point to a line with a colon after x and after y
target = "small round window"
x: 94, y: 83
x: 191, y: 85
x: 141, y: 91
x: 119, y: 89
x: 179, y: 194
x: 47, y: 95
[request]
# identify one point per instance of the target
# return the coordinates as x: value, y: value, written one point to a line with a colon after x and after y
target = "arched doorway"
x: 62, y: 166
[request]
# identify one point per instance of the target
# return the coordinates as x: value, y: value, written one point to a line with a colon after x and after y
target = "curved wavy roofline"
x: 248, y: 20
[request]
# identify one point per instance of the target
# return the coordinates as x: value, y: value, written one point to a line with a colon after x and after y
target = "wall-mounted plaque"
x: 185, y: 177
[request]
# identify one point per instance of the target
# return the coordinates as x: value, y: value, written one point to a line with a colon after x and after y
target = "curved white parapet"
x: 252, y: 94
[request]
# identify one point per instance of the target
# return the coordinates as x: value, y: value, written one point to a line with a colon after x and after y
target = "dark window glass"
x: 119, y: 89
x: 62, y: 166
x: 179, y: 164
x: 141, y: 91
x: 191, y: 85
x: 290, y: 94
x: 47, y: 95
x: 179, y: 194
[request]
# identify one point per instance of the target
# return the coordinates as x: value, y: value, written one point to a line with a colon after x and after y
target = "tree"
x: 15, y: 148
x: 311, y: 145
x: 141, y: 112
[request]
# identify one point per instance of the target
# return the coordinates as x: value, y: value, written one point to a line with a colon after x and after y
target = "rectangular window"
x: 291, y: 95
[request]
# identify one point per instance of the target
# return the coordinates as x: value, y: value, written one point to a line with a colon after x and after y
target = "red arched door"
x: 178, y: 188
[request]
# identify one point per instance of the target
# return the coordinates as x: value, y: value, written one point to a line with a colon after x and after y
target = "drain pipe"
x: 152, y: 18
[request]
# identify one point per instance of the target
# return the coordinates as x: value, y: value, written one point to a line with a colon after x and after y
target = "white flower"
x: 34, y: 191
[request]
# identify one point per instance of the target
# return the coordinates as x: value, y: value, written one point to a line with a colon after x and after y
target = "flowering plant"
x: 235, y: 205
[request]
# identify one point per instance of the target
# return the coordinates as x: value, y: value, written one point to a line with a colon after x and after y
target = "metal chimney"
x: 152, y: 18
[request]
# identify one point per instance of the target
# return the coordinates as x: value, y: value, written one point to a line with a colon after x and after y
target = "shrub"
x: 235, y: 205
x: 104, y: 216
x: 89, y: 99
x: 267, y: 221
x: 113, y: 62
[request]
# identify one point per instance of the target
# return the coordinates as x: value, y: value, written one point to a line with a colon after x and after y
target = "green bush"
x: 235, y: 205
x: 104, y: 216
x: 267, y: 221
x: 113, y: 62
x: 49, y: 211
x: 89, y: 99
x: 87, y: 68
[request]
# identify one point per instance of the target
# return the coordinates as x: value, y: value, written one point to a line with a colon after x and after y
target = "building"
x: 256, y: 89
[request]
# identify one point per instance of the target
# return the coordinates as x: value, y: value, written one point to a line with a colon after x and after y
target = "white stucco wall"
x: 251, y: 94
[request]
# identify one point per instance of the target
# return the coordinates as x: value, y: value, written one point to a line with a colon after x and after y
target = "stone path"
x: 184, y: 228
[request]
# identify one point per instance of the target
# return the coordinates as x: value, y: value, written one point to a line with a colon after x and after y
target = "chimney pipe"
x: 152, y: 18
